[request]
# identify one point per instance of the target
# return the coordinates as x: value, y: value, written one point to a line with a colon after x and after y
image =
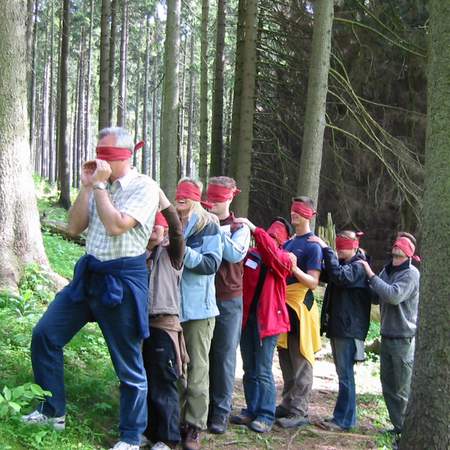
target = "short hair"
x: 349, y: 234
x: 123, y: 138
x: 228, y: 182
x: 302, y: 198
x: 288, y: 226
x: 408, y: 236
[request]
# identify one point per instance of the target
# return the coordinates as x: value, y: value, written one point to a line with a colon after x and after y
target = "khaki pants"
x: 194, y: 398
x: 297, y: 378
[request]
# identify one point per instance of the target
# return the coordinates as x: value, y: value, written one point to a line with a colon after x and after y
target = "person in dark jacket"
x: 266, y: 267
x: 164, y: 351
x: 345, y: 319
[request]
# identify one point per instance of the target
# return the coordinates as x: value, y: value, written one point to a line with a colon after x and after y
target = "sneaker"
x: 192, y: 439
x: 121, y: 445
x: 260, y: 426
x: 292, y: 421
x: 37, y: 418
x: 241, y: 419
x: 145, y: 441
x: 281, y: 411
x: 218, y: 425
x: 161, y: 446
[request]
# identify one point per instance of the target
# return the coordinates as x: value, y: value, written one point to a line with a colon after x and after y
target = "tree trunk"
x: 32, y: 91
x: 87, y: 101
x: 169, y: 145
x: 154, y: 128
x: 247, y: 108
x: 145, y: 149
x: 428, y: 414
x: 112, y: 59
x: 311, y: 158
x: 203, y: 159
x: 63, y: 149
x: 51, y: 111
x: 122, y: 99
x: 20, y: 235
x: 217, y: 165
x: 180, y: 157
x: 103, y: 109
x: 190, y: 109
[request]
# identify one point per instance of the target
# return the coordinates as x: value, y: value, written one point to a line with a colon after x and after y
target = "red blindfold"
x: 111, y: 153
x: 303, y: 210
x: 217, y: 193
x: 161, y: 220
x: 407, y: 247
x: 279, y: 232
x: 188, y: 190
x: 345, y: 243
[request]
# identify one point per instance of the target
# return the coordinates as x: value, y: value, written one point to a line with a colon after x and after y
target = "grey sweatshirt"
x: 398, y: 295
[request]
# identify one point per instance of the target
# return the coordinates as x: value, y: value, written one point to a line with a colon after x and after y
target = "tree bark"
x: 87, y: 101
x: 51, y: 99
x: 32, y: 91
x: 122, y: 98
x: 20, y: 236
x: 217, y: 154
x: 428, y: 414
x: 112, y: 59
x: 311, y: 157
x: 63, y: 148
x: 191, y: 109
x: 180, y: 157
x: 203, y: 157
x: 169, y: 144
x: 103, y: 109
x: 145, y: 166
x: 243, y: 156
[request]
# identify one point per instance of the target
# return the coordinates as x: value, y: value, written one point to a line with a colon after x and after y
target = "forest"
x: 345, y: 101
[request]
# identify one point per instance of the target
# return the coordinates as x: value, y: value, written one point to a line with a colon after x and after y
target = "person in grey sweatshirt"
x: 397, y: 292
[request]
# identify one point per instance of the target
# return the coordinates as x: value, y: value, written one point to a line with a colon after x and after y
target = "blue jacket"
x: 347, y: 300
x: 129, y: 271
x: 202, y: 259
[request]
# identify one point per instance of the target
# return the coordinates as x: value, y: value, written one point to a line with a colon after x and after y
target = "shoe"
x: 292, y: 421
x: 218, y: 425
x: 145, y: 441
x: 37, y: 418
x: 192, y: 439
x: 281, y: 411
x: 161, y: 446
x: 121, y: 445
x: 331, y: 425
x: 260, y: 426
x: 241, y: 419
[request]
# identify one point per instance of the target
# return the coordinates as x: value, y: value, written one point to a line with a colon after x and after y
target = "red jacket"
x: 272, y: 312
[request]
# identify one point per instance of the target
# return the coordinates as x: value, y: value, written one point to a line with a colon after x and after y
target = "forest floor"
x: 92, y: 387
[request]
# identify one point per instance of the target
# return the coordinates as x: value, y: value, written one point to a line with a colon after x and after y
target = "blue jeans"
x: 119, y: 325
x: 259, y: 385
x: 222, y: 358
x: 344, y: 350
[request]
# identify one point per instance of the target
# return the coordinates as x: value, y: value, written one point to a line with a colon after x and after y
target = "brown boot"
x: 192, y: 439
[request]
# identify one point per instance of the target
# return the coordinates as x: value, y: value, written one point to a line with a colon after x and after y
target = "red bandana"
x: 345, y: 243
x: 161, y: 220
x: 407, y: 247
x: 111, y: 153
x: 217, y: 193
x: 303, y: 210
x: 279, y: 232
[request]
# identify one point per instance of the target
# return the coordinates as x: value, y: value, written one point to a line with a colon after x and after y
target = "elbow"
x: 113, y: 230
x: 312, y: 284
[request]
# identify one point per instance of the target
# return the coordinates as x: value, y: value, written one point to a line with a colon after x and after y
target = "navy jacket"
x: 347, y: 300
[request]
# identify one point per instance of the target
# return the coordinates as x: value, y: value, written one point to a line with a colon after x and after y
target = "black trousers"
x: 162, y: 398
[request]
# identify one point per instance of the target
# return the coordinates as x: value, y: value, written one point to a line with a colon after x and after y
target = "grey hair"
x: 123, y: 138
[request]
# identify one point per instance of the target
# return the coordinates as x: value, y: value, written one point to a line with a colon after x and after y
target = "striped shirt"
x: 137, y: 196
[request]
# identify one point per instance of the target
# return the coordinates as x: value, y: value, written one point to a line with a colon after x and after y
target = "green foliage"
x: 12, y: 400
x: 328, y: 232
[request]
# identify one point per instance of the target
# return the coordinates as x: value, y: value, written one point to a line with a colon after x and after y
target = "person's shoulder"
x: 145, y: 180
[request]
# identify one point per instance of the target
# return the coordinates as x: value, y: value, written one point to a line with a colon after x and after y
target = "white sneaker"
x: 37, y: 418
x: 124, y: 446
x: 160, y: 446
x: 145, y: 441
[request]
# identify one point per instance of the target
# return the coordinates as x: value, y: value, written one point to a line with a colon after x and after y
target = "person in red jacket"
x: 265, y: 316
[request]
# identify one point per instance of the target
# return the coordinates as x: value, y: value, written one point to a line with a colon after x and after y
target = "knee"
x: 39, y: 335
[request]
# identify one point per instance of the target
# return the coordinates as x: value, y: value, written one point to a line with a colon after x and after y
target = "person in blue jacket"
x: 202, y: 259
x: 345, y: 319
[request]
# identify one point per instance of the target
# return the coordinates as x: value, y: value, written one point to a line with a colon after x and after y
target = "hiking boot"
x: 241, y: 419
x: 260, y: 426
x: 121, y: 445
x: 192, y: 439
x: 218, y: 425
x: 281, y: 411
x: 292, y: 421
x: 331, y: 425
x: 37, y: 418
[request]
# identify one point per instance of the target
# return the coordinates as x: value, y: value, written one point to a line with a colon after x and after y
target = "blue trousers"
x: 344, y: 350
x: 119, y: 325
x: 222, y: 358
x: 259, y: 384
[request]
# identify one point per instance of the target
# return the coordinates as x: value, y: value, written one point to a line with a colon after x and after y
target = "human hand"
x: 317, y: 240
x: 245, y: 221
x: 163, y: 200
x: 293, y: 259
x: 87, y: 171
x: 102, y: 171
x: 367, y: 268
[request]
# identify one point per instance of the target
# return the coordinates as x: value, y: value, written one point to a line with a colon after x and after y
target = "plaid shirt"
x: 136, y: 195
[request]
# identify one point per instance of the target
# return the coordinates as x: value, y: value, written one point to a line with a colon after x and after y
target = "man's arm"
x: 235, y: 246
x: 79, y: 212
x: 310, y: 279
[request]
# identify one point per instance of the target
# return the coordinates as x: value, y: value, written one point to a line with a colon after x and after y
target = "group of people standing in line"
x: 175, y: 289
